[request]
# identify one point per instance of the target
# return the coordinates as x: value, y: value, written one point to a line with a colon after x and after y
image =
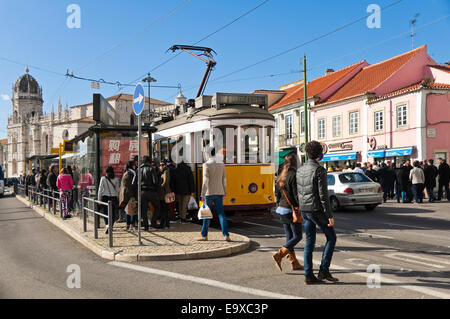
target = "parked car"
x: 353, y: 189
x: 11, y: 181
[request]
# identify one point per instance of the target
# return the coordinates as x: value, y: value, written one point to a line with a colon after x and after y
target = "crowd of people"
x: 302, y: 198
x: 165, y: 190
x: 405, y: 182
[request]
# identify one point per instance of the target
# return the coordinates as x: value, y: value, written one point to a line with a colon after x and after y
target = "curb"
x: 109, y: 255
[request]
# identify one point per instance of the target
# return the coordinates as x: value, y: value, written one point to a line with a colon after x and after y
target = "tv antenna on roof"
x: 412, y: 22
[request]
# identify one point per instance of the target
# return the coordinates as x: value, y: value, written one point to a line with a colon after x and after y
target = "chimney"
x: 329, y: 71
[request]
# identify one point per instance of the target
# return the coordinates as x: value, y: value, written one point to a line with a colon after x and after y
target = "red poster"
x: 116, y: 152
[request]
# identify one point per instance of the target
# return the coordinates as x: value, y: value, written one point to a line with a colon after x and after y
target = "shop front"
x: 339, y: 160
x: 395, y: 155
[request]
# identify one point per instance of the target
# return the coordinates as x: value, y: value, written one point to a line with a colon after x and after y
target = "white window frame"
x: 319, y: 128
x: 336, y: 133
x: 353, y: 129
x: 403, y: 116
x: 378, y: 124
x: 288, y: 133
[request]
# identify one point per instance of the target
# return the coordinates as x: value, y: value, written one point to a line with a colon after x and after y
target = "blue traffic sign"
x: 138, y: 99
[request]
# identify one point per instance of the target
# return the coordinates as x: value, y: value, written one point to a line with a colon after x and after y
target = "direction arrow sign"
x: 138, y: 99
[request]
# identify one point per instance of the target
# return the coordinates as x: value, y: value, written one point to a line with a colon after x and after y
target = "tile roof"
x: 3, y: 141
x: 442, y: 67
x: 371, y: 76
x: 411, y: 88
x: 316, y: 86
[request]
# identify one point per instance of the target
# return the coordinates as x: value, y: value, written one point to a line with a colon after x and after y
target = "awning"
x: 376, y: 154
x: 339, y: 156
x: 281, y: 154
x: 399, y: 151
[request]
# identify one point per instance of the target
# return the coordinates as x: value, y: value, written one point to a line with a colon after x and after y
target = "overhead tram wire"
x: 179, y: 6
x: 190, y: 87
x: 304, y: 43
x: 204, y: 38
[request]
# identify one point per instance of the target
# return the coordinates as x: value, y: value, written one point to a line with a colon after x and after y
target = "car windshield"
x: 354, y: 178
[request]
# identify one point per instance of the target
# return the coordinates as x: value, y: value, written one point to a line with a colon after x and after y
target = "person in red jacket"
x: 65, y: 185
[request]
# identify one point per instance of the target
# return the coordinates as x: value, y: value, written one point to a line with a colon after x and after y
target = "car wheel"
x: 370, y: 207
x: 334, y: 204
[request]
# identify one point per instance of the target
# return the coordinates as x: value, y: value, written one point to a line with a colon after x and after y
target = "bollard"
x: 53, y: 202
x: 96, y: 222
x: 110, y: 223
x: 84, y: 215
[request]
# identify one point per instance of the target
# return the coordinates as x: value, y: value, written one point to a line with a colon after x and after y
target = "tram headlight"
x: 253, y: 188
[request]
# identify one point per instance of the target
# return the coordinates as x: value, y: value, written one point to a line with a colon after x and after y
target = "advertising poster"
x: 116, y: 152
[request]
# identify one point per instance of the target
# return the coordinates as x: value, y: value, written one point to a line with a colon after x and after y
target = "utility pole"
x: 305, y: 105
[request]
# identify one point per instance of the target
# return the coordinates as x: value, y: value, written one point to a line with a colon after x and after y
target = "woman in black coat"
x: 287, y: 198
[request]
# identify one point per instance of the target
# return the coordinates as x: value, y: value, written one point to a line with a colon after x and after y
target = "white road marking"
x: 407, y: 258
x: 204, y: 281
x: 359, y: 220
x: 394, y: 283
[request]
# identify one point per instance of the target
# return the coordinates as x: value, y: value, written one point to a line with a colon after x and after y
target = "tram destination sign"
x: 223, y: 99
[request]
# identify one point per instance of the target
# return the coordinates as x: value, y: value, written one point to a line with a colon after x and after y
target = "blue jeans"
x: 430, y: 192
x: 293, y: 235
x: 311, y: 220
x: 218, y: 202
x: 418, y: 192
x: 131, y: 219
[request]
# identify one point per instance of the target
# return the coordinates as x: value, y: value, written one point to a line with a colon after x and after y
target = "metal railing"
x: 97, y: 214
x: 48, y: 199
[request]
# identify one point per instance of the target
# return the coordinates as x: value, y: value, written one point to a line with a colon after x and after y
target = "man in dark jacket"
x: 430, y: 172
x: 444, y: 178
x: 371, y: 173
x: 182, y: 181
x: 314, y: 203
x: 150, y: 181
x: 386, y: 179
x: 51, y: 182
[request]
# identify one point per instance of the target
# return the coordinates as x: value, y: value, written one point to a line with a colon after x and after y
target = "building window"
x: 379, y: 120
x: 402, y: 115
x: 65, y: 135
x: 288, y: 126
x: 303, y: 121
x: 354, y: 125
x: 14, y: 146
x: 337, y: 126
x: 321, y: 129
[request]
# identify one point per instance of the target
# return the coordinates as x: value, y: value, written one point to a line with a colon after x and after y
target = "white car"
x: 353, y: 189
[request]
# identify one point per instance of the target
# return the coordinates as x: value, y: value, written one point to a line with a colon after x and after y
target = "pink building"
x: 395, y: 109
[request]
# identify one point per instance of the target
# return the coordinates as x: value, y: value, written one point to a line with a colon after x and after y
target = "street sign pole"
x: 139, y: 180
x: 138, y: 106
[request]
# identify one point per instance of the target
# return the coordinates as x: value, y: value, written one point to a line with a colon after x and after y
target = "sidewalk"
x: 177, y: 243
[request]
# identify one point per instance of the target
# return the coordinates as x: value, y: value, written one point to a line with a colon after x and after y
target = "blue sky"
x: 136, y: 34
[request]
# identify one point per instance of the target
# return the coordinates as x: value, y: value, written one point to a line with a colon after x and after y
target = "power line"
x: 204, y: 38
x: 180, y: 5
x: 305, y: 43
x: 31, y: 66
x: 189, y: 88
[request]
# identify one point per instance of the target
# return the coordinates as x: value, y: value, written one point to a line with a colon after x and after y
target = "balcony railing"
x: 288, y: 140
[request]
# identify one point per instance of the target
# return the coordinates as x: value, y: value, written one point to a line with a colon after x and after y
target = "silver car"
x: 353, y: 189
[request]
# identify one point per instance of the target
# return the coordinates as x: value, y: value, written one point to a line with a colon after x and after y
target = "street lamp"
x: 149, y: 80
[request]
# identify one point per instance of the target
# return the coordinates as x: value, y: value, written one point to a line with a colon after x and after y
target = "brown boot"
x: 294, y: 262
x: 278, y: 257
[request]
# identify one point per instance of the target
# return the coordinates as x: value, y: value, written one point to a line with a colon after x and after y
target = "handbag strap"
x: 285, y: 196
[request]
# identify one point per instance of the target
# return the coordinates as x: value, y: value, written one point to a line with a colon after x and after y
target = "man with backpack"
x: 150, y: 182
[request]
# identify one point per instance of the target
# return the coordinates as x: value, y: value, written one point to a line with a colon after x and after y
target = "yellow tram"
x: 241, y: 130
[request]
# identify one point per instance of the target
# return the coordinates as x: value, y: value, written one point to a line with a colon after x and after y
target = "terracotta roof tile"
x: 442, y: 67
x: 371, y: 76
x: 316, y: 86
x: 412, y: 88
x: 3, y: 141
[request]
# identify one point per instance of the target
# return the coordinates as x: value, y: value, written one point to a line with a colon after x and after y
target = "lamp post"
x: 149, y: 80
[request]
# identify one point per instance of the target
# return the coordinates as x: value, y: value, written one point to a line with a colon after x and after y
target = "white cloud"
x: 5, y: 97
